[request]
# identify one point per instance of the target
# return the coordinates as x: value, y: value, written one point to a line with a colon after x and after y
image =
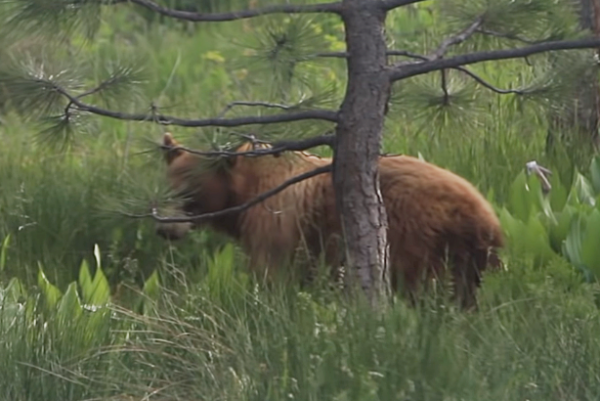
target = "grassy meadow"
x: 95, y: 306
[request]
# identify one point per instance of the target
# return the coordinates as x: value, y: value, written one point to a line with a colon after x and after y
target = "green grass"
x: 214, y: 335
x: 533, y: 338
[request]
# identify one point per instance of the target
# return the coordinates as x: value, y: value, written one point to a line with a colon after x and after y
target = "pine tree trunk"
x: 358, y: 146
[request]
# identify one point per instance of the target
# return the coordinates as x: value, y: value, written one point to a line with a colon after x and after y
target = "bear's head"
x: 201, y: 185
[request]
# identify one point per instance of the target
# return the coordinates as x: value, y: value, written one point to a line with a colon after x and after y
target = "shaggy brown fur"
x: 434, y: 215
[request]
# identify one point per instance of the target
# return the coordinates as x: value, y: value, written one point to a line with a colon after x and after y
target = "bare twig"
x: 275, y: 149
x: 334, y: 7
x: 391, y: 4
x: 332, y: 54
x: 445, y: 88
x: 487, y: 85
x: 419, y: 68
x: 441, y: 51
x: 254, y: 104
x: 404, y: 53
x: 318, y: 114
x: 88, y: 92
x: 507, y: 36
x: 98, y: 88
x: 456, y: 39
x: 236, y: 209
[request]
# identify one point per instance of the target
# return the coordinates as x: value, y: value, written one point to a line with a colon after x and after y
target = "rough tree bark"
x: 358, y: 146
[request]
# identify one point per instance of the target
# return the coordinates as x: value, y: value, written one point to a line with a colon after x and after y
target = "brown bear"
x: 436, y: 218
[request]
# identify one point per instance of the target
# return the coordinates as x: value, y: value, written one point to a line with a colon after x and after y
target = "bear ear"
x: 167, y: 145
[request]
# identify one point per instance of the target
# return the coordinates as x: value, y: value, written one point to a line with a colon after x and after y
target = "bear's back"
x: 424, y: 198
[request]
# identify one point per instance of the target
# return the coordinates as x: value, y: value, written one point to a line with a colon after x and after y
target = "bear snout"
x: 173, y: 231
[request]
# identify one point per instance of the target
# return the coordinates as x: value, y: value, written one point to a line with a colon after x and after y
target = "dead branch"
x: 391, y: 4
x: 487, y: 85
x: 236, y: 209
x: 334, y: 8
x: 332, y: 54
x: 456, y: 39
x: 276, y: 147
x: 507, y: 36
x: 404, y: 53
x: 453, y: 40
x: 318, y: 114
x: 254, y: 104
x: 403, y: 71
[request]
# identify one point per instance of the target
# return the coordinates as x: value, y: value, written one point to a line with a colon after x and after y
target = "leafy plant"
x: 565, y: 223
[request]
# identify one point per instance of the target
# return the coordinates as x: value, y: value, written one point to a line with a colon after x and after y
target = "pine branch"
x: 104, y: 85
x: 255, y: 104
x: 410, y: 70
x: 334, y: 8
x: 332, y: 54
x: 236, y: 209
x: 391, y: 4
x: 507, y: 36
x: 276, y: 147
x: 317, y: 114
x: 404, y: 53
x: 489, y: 86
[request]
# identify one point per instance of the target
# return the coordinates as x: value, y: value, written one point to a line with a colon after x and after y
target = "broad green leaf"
x: 537, y: 239
x: 14, y: 291
x: 50, y: 292
x: 100, y: 293
x: 541, y: 201
x: 595, y: 173
x: 11, y: 302
x: 152, y: 292
x: 85, y: 281
x: 3, y: 252
x: 581, y: 191
x: 222, y: 263
x: 220, y: 269
x: 525, y: 197
x: 508, y: 222
x: 527, y: 238
x: 558, y: 194
x: 559, y: 231
x: 577, y: 247
x: 98, y: 321
x: 152, y: 286
x: 572, y: 244
x: 590, y: 246
x: 69, y: 306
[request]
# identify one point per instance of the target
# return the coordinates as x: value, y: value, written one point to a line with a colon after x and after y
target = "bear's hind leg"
x: 466, y: 275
